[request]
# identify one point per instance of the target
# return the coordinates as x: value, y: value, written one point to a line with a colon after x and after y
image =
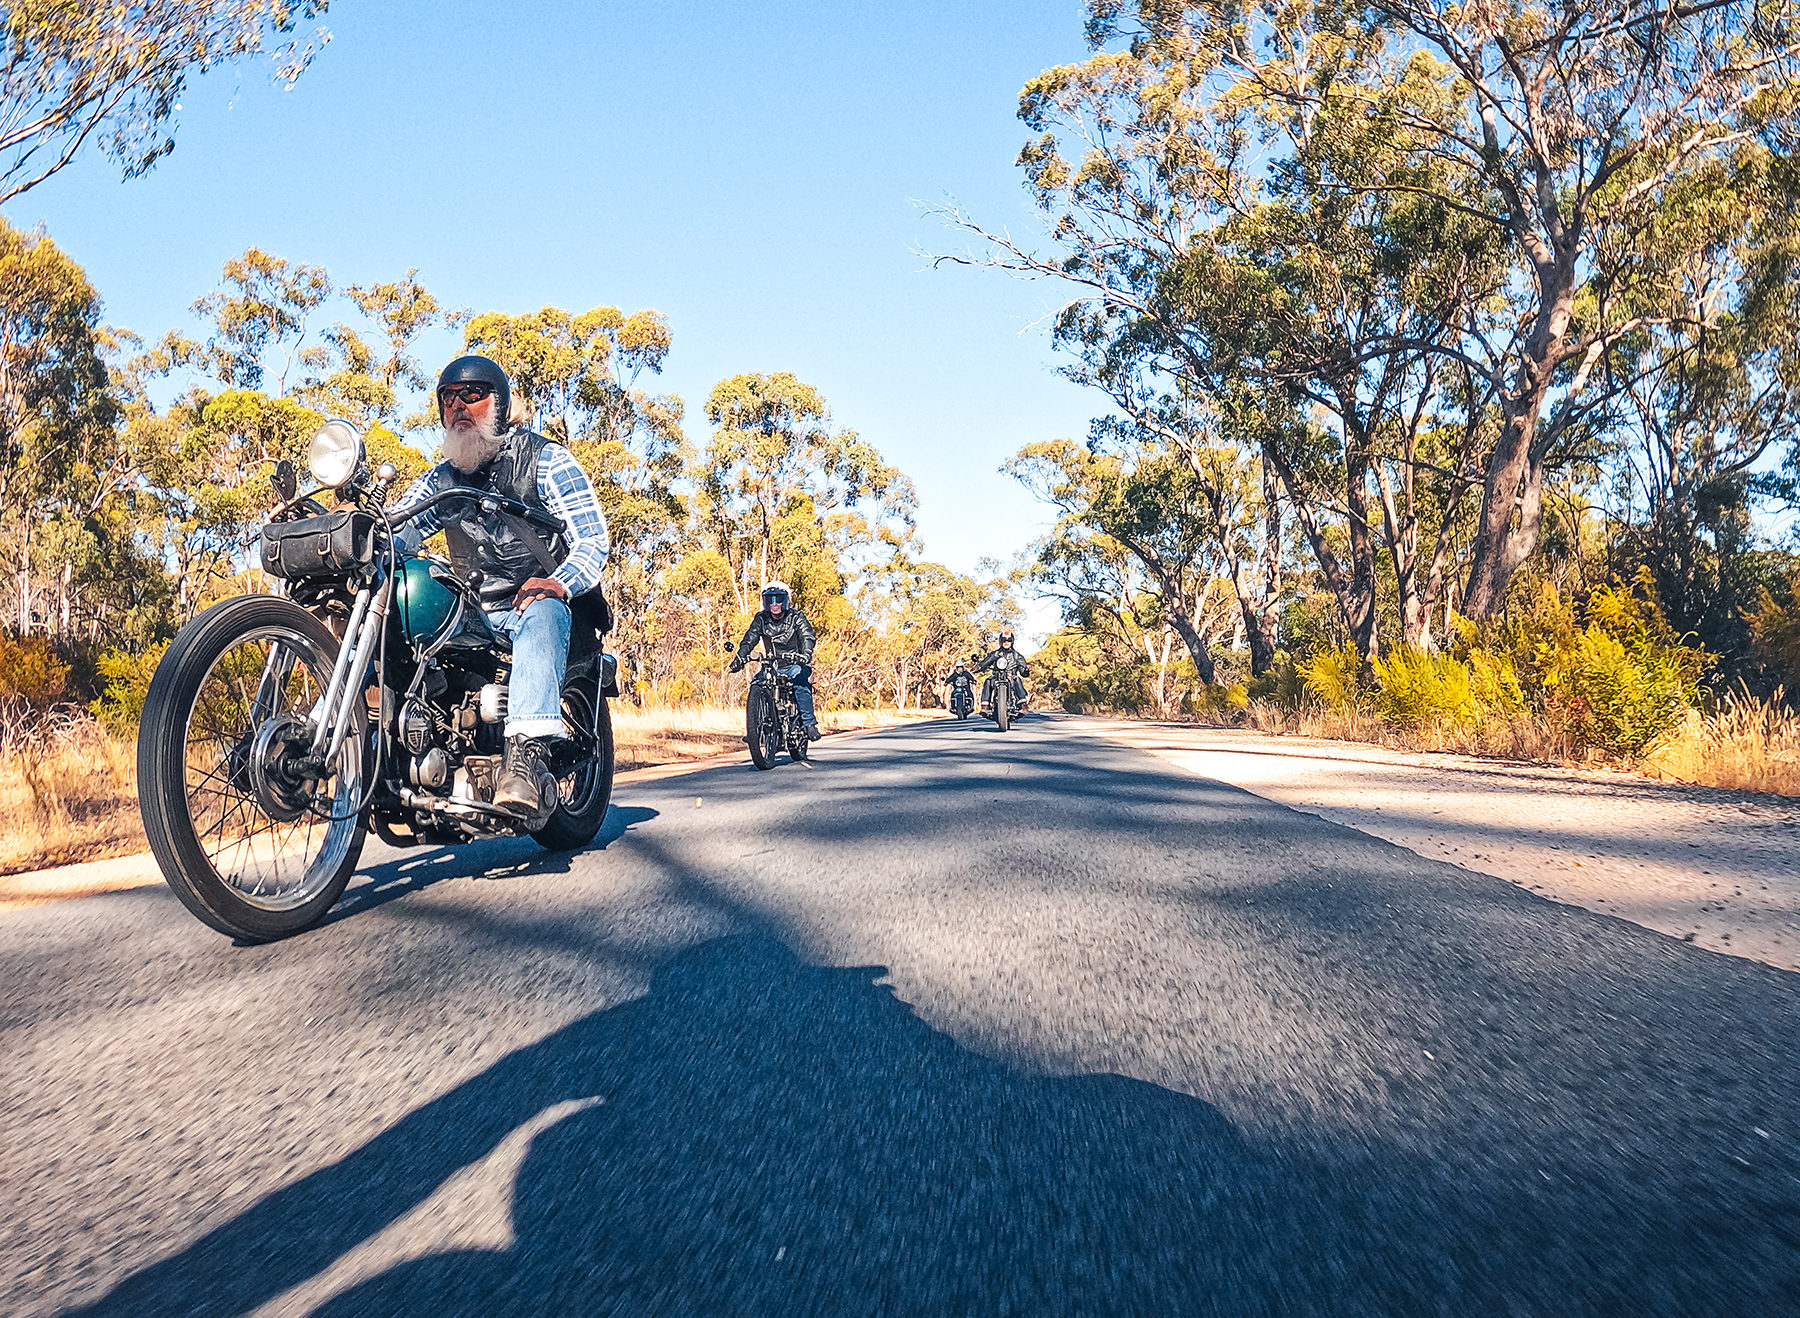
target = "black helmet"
x: 476, y: 369
x: 1006, y: 637
x: 777, y: 591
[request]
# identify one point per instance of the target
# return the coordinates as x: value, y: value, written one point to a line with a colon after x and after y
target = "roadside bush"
x: 1776, y: 630
x: 1621, y: 702
x: 127, y: 677
x: 1419, y: 688
x: 1330, y: 677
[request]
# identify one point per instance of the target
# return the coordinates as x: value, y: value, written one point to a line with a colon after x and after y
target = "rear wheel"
x: 249, y: 841
x: 761, y: 728
x: 586, y: 791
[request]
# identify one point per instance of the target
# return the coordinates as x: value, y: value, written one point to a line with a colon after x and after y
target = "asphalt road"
x: 950, y: 1023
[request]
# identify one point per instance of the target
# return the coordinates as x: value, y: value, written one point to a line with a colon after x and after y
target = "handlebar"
x: 544, y: 521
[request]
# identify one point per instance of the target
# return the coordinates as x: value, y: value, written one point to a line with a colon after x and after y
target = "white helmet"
x: 777, y: 591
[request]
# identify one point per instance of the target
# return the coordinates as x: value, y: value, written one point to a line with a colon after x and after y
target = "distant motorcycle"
x: 997, y: 693
x: 962, y: 692
x: 772, y: 717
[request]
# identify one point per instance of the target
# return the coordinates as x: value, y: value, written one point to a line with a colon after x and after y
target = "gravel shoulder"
x: 1718, y: 869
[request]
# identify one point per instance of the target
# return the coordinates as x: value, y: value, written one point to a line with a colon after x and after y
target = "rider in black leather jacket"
x: 789, y: 638
x: 1017, y: 666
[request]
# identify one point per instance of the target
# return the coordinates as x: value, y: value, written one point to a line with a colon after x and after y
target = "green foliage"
x: 1331, y: 676
x: 115, y: 72
x: 1620, y: 701
x: 1776, y: 627
x: 1418, y: 689
x: 31, y: 673
x: 127, y: 676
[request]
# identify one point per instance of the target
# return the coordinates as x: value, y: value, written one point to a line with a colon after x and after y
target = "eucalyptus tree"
x: 1356, y: 227
x: 1116, y: 513
x: 57, y: 411
x: 774, y: 450
x: 115, y: 72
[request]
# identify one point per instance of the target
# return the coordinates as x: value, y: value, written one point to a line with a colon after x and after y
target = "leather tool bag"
x: 333, y: 542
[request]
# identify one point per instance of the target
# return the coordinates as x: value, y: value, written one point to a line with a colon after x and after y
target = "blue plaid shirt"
x: 566, y: 491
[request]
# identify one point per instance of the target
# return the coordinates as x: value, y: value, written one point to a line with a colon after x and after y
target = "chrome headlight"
x: 335, y: 453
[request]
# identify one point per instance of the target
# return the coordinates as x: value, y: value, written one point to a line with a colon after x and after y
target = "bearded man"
x: 526, y: 582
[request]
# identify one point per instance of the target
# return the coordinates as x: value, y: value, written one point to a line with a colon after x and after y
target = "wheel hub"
x: 276, y: 758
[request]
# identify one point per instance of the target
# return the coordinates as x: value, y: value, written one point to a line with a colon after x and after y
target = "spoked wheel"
x: 798, y: 746
x: 761, y: 728
x: 250, y: 840
x: 586, y: 791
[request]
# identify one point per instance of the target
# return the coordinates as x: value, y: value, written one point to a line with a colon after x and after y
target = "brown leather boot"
x: 525, y: 784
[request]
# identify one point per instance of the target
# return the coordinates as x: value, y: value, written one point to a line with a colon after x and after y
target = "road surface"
x: 953, y: 1022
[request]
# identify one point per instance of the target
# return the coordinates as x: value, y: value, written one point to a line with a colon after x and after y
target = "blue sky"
x: 752, y: 171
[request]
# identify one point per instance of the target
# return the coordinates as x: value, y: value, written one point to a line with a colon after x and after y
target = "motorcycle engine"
x: 419, y: 728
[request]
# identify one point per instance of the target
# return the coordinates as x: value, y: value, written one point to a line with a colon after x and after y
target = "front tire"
x: 1002, y: 706
x: 238, y: 837
x: 763, y: 739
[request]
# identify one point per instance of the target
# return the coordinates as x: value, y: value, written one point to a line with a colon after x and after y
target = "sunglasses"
x: 469, y: 393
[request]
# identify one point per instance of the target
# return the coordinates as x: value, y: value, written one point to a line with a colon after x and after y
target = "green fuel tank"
x: 425, y: 604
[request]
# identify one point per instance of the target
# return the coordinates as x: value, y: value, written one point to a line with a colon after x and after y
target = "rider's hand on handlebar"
x: 737, y: 663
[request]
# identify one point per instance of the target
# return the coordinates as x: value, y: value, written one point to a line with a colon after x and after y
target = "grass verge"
x: 1747, y: 745
x: 71, y: 796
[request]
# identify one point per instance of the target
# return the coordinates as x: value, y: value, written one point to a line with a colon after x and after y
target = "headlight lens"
x: 335, y: 453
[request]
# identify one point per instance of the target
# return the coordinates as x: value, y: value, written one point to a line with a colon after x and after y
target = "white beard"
x: 469, y: 448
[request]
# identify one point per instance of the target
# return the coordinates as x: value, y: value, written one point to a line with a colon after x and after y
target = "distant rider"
x: 789, y: 637
x: 1017, y: 666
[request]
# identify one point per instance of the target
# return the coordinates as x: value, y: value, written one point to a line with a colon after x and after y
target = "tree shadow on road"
x: 771, y: 1137
x: 765, y: 1136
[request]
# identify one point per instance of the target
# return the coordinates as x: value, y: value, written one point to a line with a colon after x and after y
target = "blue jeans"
x: 540, y: 645
x: 801, y: 674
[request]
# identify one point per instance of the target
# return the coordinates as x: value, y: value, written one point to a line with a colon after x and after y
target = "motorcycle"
x: 370, y: 693
x: 962, y: 693
x: 772, y: 716
x: 997, y: 693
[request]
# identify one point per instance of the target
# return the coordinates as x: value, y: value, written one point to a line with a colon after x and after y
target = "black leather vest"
x: 483, y: 541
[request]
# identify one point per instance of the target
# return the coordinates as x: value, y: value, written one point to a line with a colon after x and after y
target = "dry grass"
x: 71, y: 794
x: 68, y: 796
x: 1748, y: 746
x: 1523, y: 738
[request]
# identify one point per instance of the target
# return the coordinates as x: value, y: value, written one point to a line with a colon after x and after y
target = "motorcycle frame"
x: 363, y: 645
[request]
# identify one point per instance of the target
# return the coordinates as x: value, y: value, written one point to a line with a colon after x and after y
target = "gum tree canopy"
x: 115, y: 69
x: 1405, y: 251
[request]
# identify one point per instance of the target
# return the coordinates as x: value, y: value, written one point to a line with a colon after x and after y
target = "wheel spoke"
x: 233, y: 749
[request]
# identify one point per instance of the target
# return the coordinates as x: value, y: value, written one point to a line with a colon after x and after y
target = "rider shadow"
x: 761, y: 1136
x: 496, y: 858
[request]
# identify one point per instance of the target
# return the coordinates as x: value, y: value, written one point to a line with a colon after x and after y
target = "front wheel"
x: 1002, y: 706
x: 251, y: 839
x: 761, y: 728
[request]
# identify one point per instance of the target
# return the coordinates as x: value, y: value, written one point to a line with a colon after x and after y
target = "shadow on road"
x: 772, y: 1137
x: 494, y: 858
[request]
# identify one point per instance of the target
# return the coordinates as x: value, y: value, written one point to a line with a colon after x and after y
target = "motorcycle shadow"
x: 415, y: 870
